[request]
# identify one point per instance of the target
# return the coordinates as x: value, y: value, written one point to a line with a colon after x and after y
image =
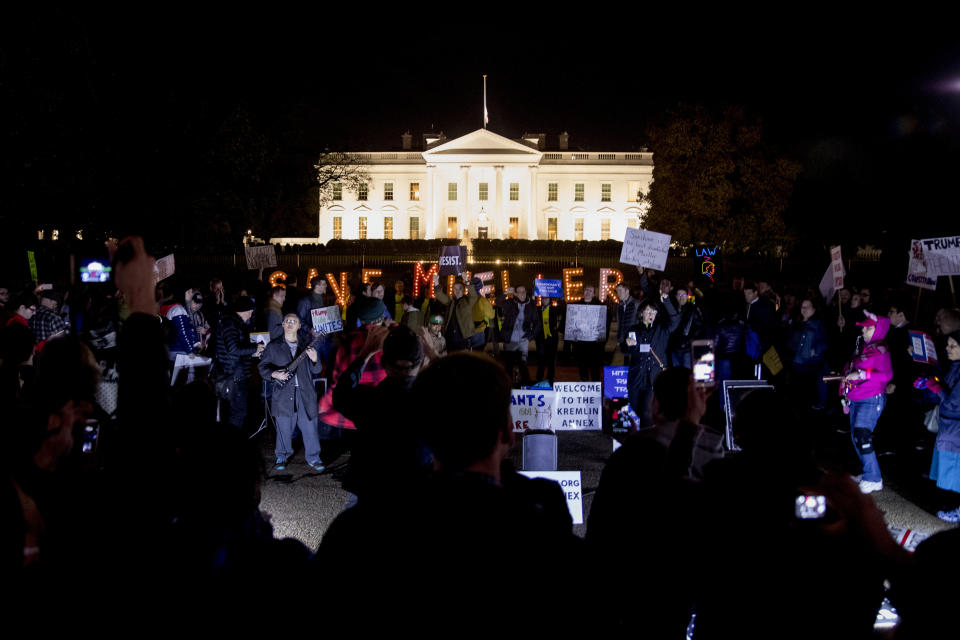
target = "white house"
x: 483, y: 185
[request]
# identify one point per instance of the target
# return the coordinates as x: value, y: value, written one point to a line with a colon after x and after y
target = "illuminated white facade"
x: 485, y: 185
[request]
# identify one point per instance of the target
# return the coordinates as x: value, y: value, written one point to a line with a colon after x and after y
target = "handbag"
x: 931, y: 419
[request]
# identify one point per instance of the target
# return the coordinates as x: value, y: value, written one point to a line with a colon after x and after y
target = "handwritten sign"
x: 645, y: 248
x: 942, y: 256
x: 615, y: 382
x: 836, y: 267
x: 260, y: 257
x: 547, y: 288
x: 163, y: 268
x: 531, y: 408
x: 585, y: 322
x: 570, y: 483
x: 577, y: 406
x: 327, y: 319
x: 923, y: 348
x: 917, y: 272
x: 453, y: 260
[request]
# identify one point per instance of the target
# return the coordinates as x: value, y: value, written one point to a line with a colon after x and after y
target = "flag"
x: 486, y: 114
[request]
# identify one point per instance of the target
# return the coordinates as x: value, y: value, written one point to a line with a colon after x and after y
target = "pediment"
x: 632, y: 210
x: 551, y: 209
x: 578, y: 209
x: 606, y: 210
x: 484, y: 143
x: 389, y: 208
x: 336, y: 207
x: 415, y: 210
x: 362, y: 208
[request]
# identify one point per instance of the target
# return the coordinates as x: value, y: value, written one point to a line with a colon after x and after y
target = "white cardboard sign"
x: 942, y: 256
x: 163, y: 268
x: 917, y: 271
x: 836, y: 267
x: 569, y: 482
x: 645, y: 248
x: 531, y: 408
x: 327, y: 319
x: 577, y: 406
x: 261, y: 257
x: 585, y: 322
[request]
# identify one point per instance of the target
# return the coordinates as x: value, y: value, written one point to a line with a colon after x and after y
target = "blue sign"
x: 615, y: 382
x: 548, y: 288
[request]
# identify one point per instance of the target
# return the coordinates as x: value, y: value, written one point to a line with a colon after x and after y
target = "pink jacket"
x: 875, y: 362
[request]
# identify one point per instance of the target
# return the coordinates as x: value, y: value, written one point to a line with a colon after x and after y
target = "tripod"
x: 268, y: 418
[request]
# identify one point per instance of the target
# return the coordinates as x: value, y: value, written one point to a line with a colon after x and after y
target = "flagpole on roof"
x: 486, y: 116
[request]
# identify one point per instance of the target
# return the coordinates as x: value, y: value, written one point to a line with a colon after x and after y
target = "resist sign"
x: 576, y: 406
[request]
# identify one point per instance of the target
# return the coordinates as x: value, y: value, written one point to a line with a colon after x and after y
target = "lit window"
x: 337, y: 191
x: 414, y: 228
x: 79, y: 234
x: 514, y: 191
x: 451, y: 191
x: 482, y: 191
x: 388, y: 227
x: 39, y: 234
x: 578, y: 229
x: 605, y: 229
x: 388, y: 191
x: 415, y: 191
x: 514, y: 228
x: 605, y: 192
x: 363, y: 227
x: 633, y: 222
x: 337, y: 228
x: 552, y: 192
x: 633, y: 192
x: 55, y: 234
x: 452, y: 227
x: 482, y: 233
x: 551, y: 228
x: 578, y: 192
x: 362, y: 191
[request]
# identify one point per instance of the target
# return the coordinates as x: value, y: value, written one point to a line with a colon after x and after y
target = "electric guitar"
x: 292, y: 367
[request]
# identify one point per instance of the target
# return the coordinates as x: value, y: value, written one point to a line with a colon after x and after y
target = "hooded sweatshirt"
x: 874, y: 360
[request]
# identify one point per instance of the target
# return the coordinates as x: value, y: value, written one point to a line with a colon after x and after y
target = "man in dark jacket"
x: 233, y: 357
x: 519, y: 320
x: 626, y: 318
x: 548, y: 337
x: 647, y: 342
x: 294, y: 398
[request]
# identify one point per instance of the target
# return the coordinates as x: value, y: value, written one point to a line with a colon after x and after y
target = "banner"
x: 570, y: 483
x: 576, y: 406
x: 585, y: 322
x: 645, y: 249
x: 327, y: 319
x: 531, y: 408
x: 836, y: 267
x: 453, y: 260
x: 548, y: 288
x: 942, y: 256
x: 163, y: 268
x: 615, y: 382
x: 32, y: 262
x: 261, y: 257
x: 917, y: 272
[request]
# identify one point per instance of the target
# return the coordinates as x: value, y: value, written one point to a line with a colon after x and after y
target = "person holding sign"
x: 647, y: 347
x: 294, y: 404
x: 459, y: 325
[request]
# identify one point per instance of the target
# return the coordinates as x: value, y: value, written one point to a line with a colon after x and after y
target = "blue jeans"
x: 863, y: 418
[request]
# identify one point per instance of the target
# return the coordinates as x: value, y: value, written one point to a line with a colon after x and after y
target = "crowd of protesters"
x: 115, y: 476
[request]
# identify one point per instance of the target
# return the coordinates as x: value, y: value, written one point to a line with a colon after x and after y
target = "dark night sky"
x: 860, y: 105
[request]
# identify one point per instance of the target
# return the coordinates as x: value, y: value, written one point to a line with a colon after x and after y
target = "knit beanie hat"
x: 370, y: 309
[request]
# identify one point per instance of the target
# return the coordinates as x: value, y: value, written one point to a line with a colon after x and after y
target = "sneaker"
x: 869, y: 487
x: 317, y: 466
x: 949, y: 516
x: 280, y: 465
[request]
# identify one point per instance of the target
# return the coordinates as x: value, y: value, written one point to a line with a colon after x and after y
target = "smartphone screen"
x: 704, y: 363
x: 810, y: 507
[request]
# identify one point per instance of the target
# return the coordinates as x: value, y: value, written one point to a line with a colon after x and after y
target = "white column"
x: 496, y: 216
x: 465, y: 216
x: 428, y: 197
x: 532, y: 204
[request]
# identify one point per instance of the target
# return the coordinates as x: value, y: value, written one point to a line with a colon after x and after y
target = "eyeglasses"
x: 291, y: 321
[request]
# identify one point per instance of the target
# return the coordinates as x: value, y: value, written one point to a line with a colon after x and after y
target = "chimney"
x: 407, y: 140
x: 538, y: 140
x: 564, y: 141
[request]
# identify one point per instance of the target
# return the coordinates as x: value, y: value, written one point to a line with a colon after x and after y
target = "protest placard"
x: 260, y: 337
x: 942, y: 256
x: 836, y: 267
x: 917, y: 273
x: 531, y: 408
x: 32, y: 263
x: 163, y: 268
x: 327, y: 319
x: 645, y: 248
x: 547, y: 288
x: 453, y: 260
x: 923, y: 348
x: 615, y: 382
x: 569, y: 482
x: 576, y: 406
x: 585, y: 322
x: 260, y: 257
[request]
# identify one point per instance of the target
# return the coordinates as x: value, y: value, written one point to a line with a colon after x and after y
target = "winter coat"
x: 644, y: 366
x: 277, y: 356
x: 948, y: 434
x: 874, y: 360
x: 511, y: 309
x: 462, y: 308
x: 183, y: 338
x: 233, y: 348
x: 808, y: 342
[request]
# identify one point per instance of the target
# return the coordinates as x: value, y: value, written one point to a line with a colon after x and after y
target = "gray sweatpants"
x: 308, y: 428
